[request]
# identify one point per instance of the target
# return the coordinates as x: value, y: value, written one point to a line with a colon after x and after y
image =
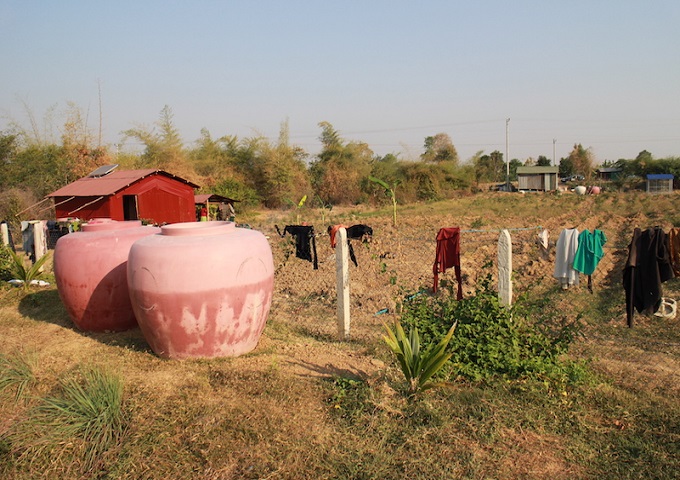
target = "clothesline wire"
x: 488, y: 230
x: 492, y: 230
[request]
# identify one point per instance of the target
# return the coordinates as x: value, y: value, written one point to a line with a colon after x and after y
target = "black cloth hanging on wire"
x: 305, y: 242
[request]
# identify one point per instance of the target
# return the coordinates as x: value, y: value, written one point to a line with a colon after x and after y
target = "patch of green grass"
x: 80, y: 424
x: 16, y: 373
x: 349, y: 398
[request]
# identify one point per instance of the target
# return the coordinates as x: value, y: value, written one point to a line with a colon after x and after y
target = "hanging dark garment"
x: 359, y: 232
x: 305, y: 242
x: 448, y: 255
x: 647, y: 267
x: 356, y: 232
x: 674, y: 249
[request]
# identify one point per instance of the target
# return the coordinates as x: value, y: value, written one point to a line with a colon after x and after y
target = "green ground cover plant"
x: 491, y: 339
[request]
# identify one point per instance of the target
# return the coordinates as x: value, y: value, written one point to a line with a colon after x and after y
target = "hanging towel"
x: 567, y: 244
x: 448, y: 255
x: 588, y: 253
x: 647, y: 267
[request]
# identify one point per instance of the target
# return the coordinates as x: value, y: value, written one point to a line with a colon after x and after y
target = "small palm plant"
x: 324, y: 206
x: 298, y: 206
x: 390, y: 191
x: 27, y: 274
x: 418, y: 365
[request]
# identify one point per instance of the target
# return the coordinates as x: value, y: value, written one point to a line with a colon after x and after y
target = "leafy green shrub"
x: 6, y: 263
x: 491, y: 339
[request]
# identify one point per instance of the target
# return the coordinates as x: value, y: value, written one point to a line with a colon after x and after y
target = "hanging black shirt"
x: 305, y: 242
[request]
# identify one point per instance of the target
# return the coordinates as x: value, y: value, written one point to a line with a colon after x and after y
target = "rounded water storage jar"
x: 201, y: 289
x: 90, y: 269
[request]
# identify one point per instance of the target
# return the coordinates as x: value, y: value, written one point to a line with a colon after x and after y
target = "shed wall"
x: 160, y: 199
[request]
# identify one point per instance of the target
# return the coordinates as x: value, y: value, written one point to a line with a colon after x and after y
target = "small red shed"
x: 152, y: 195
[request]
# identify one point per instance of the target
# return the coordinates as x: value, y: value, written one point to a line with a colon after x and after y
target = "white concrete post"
x: 342, y: 282
x: 5, y: 233
x: 505, y: 268
x: 39, y: 243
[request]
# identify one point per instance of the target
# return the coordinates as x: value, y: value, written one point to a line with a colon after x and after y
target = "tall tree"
x: 81, y: 154
x: 439, y: 148
x: 489, y: 168
x: 163, y: 147
x: 341, y: 169
x: 582, y: 160
x: 642, y: 162
x: 542, y: 161
x: 279, y: 172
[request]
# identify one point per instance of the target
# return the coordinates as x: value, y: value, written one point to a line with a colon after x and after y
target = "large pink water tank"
x: 90, y: 269
x: 201, y: 289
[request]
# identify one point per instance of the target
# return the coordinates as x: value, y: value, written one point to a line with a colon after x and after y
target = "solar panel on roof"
x: 101, y: 171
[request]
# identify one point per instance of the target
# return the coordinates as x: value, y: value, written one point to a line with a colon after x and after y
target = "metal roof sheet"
x: 659, y: 176
x: 213, y: 198
x: 537, y: 170
x: 109, y: 184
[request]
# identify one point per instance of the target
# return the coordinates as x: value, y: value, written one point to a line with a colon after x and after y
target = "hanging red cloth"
x: 448, y: 255
x: 332, y: 232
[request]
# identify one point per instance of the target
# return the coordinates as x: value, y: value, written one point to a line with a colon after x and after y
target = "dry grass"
x: 277, y: 412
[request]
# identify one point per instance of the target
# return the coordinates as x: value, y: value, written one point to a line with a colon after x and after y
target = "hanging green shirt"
x: 589, y: 251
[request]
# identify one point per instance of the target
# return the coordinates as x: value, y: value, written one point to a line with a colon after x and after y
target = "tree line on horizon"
x: 271, y: 174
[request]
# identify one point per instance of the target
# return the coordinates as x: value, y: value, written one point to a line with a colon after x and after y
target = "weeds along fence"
x: 394, y: 266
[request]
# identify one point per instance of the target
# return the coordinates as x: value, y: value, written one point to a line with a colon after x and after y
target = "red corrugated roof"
x: 109, y: 184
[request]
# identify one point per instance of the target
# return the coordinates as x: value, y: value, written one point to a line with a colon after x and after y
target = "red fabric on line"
x: 447, y: 256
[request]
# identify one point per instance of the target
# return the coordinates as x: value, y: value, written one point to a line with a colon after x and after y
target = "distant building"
x: 609, y: 173
x: 152, y: 195
x: 542, y: 179
x: 659, y: 183
x: 225, y: 205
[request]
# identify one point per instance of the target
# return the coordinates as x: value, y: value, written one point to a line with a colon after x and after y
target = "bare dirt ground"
x: 300, y: 343
x: 397, y: 262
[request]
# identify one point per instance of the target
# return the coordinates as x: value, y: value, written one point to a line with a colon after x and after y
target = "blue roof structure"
x: 660, y: 176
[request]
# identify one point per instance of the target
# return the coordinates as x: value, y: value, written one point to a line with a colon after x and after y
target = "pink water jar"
x: 201, y: 289
x: 90, y: 269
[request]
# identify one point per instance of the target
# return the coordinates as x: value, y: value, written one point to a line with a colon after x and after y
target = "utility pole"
x: 554, y: 142
x: 507, y: 155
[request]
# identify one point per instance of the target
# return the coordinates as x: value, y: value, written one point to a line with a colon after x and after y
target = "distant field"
x: 304, y: 405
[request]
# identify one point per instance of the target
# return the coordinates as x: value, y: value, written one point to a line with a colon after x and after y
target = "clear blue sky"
x: 603, y: 73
